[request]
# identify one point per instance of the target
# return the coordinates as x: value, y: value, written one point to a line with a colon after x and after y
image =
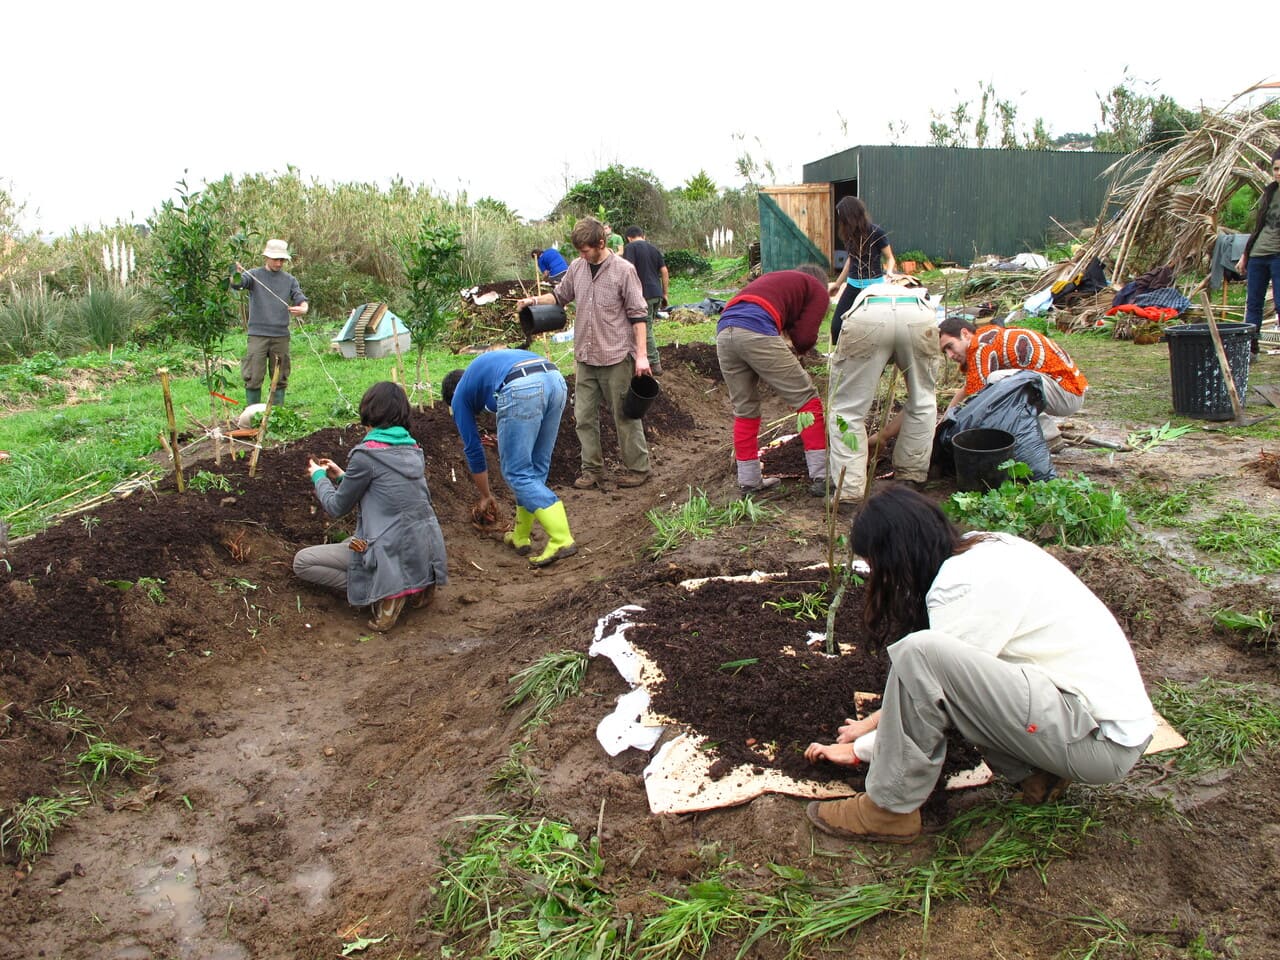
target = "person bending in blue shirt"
x: 550, y: 264
x: 527, y: 393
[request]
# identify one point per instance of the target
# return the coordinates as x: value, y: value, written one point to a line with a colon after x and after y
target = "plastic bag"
x: 1012, y: 404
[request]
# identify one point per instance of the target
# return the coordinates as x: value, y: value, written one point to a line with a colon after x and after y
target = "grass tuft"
x: 102, y: 758
x: 534, y: 887
x: 1223, y: 722
x: 548, y: 682
x: 30, y: 824
x: 698, y: 519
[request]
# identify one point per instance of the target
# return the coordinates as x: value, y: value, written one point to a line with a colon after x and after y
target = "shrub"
x: 1064, y: 510
x: 688, y: 262
x: 190, y: 264
x: 106, y: 316
x: 695, y: 218
x: 620, y: 196
x: 31, y: 322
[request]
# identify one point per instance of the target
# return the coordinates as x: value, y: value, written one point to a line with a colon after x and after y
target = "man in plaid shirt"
x: 608, y: 350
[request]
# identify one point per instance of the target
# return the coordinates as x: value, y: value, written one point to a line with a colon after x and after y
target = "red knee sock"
x: 746, y: 438
x: 814, y: 436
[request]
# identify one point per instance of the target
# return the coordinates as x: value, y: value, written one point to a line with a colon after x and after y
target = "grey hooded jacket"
x: 405, y: 546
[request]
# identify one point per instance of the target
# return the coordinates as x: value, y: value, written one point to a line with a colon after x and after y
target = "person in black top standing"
x: 654, y: 283
x: 869, y: 258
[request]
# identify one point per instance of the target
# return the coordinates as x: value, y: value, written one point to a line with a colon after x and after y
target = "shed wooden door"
x: 808, y: 207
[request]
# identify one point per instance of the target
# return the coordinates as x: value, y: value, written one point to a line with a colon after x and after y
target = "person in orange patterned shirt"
x: 989, y: 353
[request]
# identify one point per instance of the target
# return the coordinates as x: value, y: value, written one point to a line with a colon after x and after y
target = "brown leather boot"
x: 858, y: 818
x: 1042, y: 787
x: 424, y: 597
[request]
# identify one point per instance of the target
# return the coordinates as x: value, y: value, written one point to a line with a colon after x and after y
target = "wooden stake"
x: 163, y: 373
x: 1236, y: 407
x: 262, y: 427
x: 395, y: 342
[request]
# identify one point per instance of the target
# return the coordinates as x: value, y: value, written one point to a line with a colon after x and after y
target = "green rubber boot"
x: 277, y: 398
x: 518, y: 539
x: 252, y: 396
x: 559, y: 540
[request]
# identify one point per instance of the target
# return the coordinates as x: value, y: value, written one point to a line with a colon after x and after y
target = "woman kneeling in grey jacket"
x: 397, y: 553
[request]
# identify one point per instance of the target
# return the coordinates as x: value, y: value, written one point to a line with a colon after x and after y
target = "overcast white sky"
x: 107, y: 105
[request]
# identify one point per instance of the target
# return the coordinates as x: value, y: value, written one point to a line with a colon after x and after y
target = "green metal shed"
x: 956, y: 203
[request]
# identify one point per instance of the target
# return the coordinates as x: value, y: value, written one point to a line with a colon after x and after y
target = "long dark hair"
x: 854, y: 224
x: 905, y: 539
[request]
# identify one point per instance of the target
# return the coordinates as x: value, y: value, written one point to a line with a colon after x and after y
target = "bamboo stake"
x: 873, y: 454
x: 537, y: 292
x: 1236, y: 408
x: 73, y: 493
x: 163, y: 373
x: 262, y: 427
x: 395, y: 342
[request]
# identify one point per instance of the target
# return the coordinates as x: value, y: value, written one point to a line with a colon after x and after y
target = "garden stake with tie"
x: 262, y: 427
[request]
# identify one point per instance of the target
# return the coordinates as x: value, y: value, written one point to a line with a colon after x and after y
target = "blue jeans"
x: 529, y: 411
x: 1259, y: 271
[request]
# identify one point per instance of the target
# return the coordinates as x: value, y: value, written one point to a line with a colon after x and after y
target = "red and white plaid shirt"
x: 602, y: 334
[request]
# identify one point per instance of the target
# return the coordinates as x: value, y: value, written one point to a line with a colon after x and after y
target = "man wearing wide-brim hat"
x: 274, y: 297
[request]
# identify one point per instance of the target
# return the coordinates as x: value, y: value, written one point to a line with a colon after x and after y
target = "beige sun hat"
x: 276, y: 250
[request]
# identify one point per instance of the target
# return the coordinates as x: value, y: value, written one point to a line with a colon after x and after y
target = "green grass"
x: 1222, y: 722
x: 515, y: 778
x: 102, y: 758
x: 1242, y: 538
x: 29, y: 825
x: 698, y: 519
x: 65, y: 454
x: 532, y: 889
x: 547, y: 683
x: 1165, y: 505
x: 809, y: 605
x: 71, y: 717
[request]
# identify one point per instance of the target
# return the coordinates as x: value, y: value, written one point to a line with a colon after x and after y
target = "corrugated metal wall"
x: 954, y: 203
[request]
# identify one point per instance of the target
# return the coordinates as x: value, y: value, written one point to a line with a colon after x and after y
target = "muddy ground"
x: 310, y: 769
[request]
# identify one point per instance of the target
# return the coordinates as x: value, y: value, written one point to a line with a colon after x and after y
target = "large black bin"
x: 1199, y: 388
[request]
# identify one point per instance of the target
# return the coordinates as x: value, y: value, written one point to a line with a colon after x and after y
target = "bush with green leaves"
x: 191, y: 258
x: 432, y: 259
x: 1064, y: 510
x: 687, y: 262
x: 620, y: 196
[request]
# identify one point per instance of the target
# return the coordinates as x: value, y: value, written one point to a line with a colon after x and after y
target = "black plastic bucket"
x: 1199, y: 388
x: 643, y: 391
x: 542, y: 318
x: 978, y: 455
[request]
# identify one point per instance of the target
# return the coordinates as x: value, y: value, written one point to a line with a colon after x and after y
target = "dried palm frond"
x: 1169, y: 202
